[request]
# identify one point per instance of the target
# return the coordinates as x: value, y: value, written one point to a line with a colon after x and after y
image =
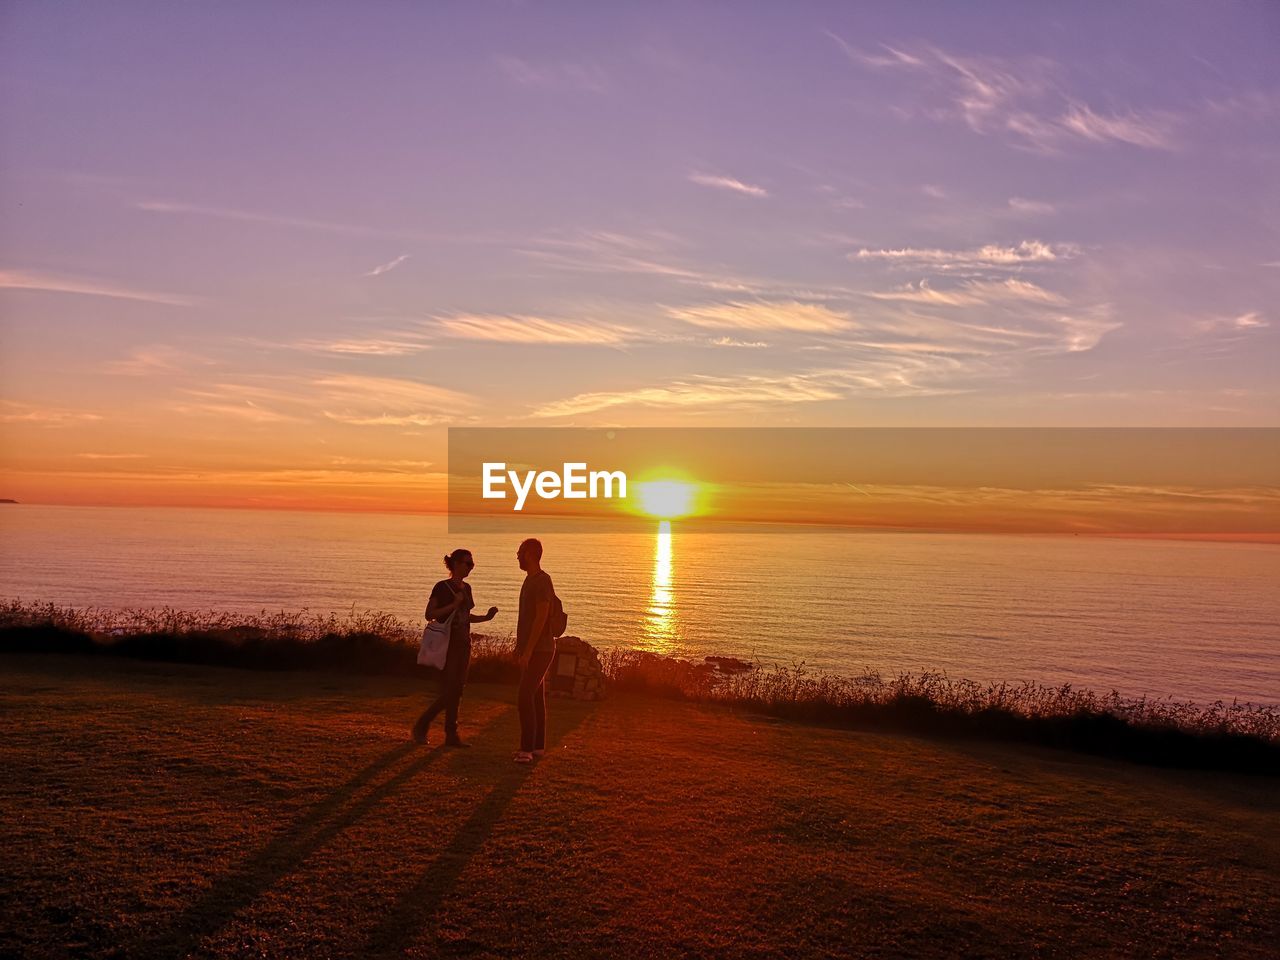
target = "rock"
x: 586, y: 679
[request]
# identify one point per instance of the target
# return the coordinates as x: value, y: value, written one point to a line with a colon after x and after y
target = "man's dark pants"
x: 532, y: 701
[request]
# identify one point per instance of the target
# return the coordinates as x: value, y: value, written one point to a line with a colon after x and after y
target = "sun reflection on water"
x: 660, y: 623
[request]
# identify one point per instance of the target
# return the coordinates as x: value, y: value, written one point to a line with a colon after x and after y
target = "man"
x: 535, y: 649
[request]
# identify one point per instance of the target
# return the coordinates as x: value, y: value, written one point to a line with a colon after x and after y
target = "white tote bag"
x: 435, y: 643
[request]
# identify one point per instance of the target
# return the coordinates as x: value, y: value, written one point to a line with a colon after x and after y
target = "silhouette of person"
x: 451, y: 597
x: 535, y: 649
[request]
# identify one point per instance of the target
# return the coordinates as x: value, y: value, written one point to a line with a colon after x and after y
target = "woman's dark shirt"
x: 442, y: 593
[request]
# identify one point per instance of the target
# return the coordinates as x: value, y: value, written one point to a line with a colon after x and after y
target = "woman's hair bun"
x: 451, y: 558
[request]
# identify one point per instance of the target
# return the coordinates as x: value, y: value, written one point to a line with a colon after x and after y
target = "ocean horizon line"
x: 685, y: 525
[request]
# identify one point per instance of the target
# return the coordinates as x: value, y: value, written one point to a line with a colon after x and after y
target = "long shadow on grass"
x: 416, y: 907
x: 284, y: 854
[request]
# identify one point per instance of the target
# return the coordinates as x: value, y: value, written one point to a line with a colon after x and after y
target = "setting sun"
x: 666, y: 499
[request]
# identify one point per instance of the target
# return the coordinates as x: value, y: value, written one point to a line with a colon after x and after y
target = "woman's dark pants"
x: 532, y: 701
x: 452, y: 679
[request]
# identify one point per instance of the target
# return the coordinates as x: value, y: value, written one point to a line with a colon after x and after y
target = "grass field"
x: 155, y: 810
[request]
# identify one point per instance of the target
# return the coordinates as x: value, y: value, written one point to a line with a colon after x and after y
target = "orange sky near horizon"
x: 1006, y: 512
x: 1016, y: 497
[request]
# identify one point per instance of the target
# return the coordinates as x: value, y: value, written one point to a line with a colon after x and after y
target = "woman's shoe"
x: 539, y: 753
x: 418, y: 736
x: 523, y: 756
x: 454, y: 742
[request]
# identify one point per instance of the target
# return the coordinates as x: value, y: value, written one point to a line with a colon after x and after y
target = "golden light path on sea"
x: 661, y: 622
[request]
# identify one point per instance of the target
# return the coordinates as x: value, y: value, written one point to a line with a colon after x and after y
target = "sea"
x: 1188, y: 620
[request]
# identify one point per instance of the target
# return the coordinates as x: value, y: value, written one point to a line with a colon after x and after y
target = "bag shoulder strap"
x: 449, y: 619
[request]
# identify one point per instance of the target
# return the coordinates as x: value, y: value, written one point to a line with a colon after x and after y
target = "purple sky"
x: 237, y: 235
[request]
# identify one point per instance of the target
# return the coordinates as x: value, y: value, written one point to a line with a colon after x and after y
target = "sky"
x: 264, y: 254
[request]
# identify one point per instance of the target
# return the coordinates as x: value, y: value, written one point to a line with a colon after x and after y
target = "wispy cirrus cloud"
x: 718, y: 392
x: 387, y: 336
x: 790, y: 315
x: 14, y: 411
x: 604, y: 251
x: 387, y: 267
x: 524, y: 329
x: 236, y: 214
x: 387, y: 401
x: 720, y: 182
x: 1002, y: 332
x: 154, y: 359
x: 1252, y: 320
x: 249, y: 402
x: 869, y: 372
x: 1028, y: 252
x: 352, y: 399
x: 391, y: 344
x: 1084, y: 330
x: 113, y: 456
x: 1253, y: 104
x: 1021, y: 100
x: 27, y: 280
x: 1140, y: 131
x: 987, y: 330
x: 1027, y: 207
x: 383, y: 465
x: 733, y: 342
x: 563, y: 74
x: 972, y: 293
x: 249, y: 216
x: 530, y: 330
x: 914, y: 356
x: 653, y: 254
x: 890, y: 57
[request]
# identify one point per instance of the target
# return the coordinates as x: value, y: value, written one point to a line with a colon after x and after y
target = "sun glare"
x: 666, y: 499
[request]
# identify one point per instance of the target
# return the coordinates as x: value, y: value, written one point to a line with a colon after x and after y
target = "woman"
x: 451, y: 600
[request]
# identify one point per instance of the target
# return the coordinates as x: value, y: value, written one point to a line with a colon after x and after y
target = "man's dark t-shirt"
x: 460, y: 627
x: 536, y: 588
